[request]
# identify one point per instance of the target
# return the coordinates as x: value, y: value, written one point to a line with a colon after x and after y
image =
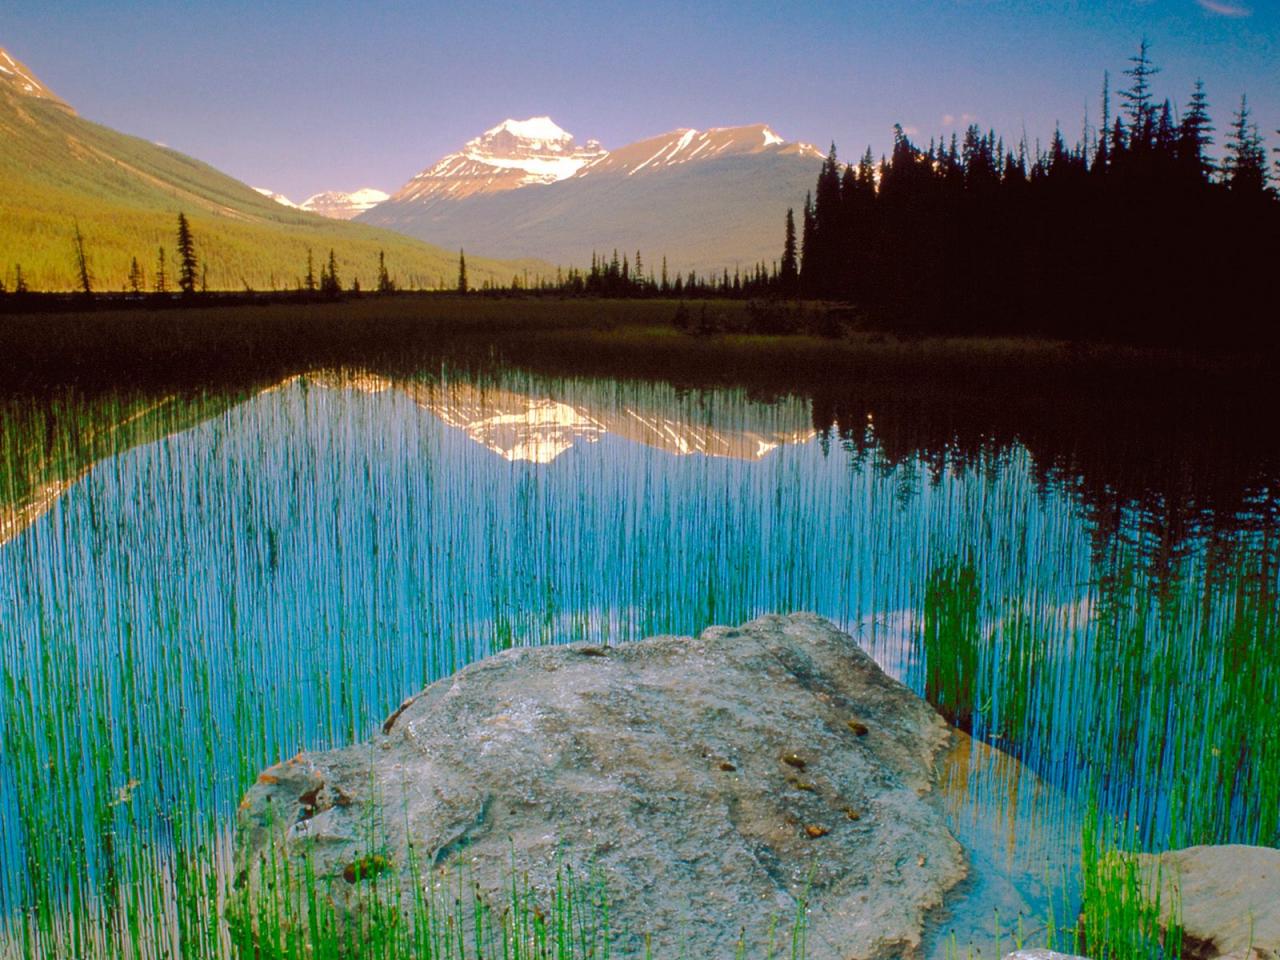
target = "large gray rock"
x: 1228, y: 898
x: 713, y: 781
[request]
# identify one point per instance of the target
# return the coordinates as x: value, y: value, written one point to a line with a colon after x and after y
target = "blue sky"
x: 339, y: 95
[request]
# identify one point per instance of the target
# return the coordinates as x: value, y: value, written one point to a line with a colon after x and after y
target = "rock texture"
x: 1229, y: 898
x: 713, y: 780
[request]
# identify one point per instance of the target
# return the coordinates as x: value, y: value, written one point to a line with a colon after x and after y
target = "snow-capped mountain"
x: 337, y: 205
x: 279, y: 198
x: 706, y: 199
x: 687, y: 146
x: 515, y: 153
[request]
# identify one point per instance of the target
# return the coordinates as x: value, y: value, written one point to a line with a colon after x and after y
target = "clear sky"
x: 338, y: 95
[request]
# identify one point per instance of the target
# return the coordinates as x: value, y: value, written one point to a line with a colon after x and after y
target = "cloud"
x: 1221, y: 9
x: 949, y: 119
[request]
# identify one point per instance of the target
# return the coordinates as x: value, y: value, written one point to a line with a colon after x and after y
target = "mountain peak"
x: 535, y: 128
x: 513, y: 154
x: 16, y: 77
x: 538, y: 151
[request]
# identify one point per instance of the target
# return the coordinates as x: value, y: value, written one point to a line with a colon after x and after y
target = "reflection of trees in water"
x: 1153, y: 472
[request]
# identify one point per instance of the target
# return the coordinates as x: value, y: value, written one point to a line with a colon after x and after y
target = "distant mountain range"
x: 58, y: 170
x: 334, y: 204
x: 707, y: 200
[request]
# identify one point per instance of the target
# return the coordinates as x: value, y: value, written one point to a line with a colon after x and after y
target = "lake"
x: 199, y: 583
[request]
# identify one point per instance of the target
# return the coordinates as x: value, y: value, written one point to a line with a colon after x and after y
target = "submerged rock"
x: 714, y: 782
x: 1228, y: 898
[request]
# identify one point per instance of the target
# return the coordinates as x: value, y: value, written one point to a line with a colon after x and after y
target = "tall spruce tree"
x: 462, y: 271
x: 789, y: 274
x: 187, y: 265
x: 1137, y: 97
x: 808, y: 259
x: 162, y: 279
x: 1245, y: 167
x: 1195, y: 136
x: 309, y: 281
x: 330, y: 285
x: 135, y: 277
x: 82, y: 264
x: 385, y: 283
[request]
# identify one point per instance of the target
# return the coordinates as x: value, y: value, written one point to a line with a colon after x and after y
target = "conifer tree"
x: 1194, y: 136
x: 162, y: 280
x: 462, y: 271
x: 808, y: 261
x: 1246, y: 163
x: 186, y: 257
x: 329, y: 283
x: 135, y: 277
x: 385, y: 283
x: 1138, y: 97
x: 1102, y: 157
x: 309, y: 282
x: 82, y: 264
x: 789, y: 274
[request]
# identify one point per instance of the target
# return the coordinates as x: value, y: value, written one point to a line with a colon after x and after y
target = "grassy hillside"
x: 709, y: 216
x: 57, y: 168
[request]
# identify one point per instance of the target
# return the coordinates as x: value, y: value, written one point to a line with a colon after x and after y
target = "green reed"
x: 226, y: 581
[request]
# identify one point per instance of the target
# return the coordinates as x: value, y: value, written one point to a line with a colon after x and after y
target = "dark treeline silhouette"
x: 1133, y: 233
x: 627, y: 278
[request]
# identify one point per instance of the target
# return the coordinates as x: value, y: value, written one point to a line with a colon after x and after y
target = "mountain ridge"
x: 706, y: 199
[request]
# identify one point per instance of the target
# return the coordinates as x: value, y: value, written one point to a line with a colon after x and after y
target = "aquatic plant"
x: 201, y: 583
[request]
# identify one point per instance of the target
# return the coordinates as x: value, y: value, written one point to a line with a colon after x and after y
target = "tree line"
x: 1134, y: 232
x: 192, y: 274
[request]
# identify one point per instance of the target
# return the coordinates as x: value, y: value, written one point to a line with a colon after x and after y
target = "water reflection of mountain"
x: 50, y: 447
x: 539, y: 425
x: 1185, y: 461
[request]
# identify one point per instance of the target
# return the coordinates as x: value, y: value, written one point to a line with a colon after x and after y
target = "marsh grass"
x: 210, y: 581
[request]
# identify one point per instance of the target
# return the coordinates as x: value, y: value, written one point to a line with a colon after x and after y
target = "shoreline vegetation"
x: 56, y: 340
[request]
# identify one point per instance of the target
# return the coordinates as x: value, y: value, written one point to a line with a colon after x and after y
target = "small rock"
x: 1229, y: 898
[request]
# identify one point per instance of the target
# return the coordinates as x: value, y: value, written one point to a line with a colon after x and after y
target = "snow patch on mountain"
x: 685, y: 145
x: 338, y: 205
x: 535, y: 128
x: 279, y: 198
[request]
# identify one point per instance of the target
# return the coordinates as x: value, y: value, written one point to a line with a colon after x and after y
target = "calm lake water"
x: 197, y: 587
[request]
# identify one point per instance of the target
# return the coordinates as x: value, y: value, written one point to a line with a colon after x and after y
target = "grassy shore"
x: 129, y: 343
